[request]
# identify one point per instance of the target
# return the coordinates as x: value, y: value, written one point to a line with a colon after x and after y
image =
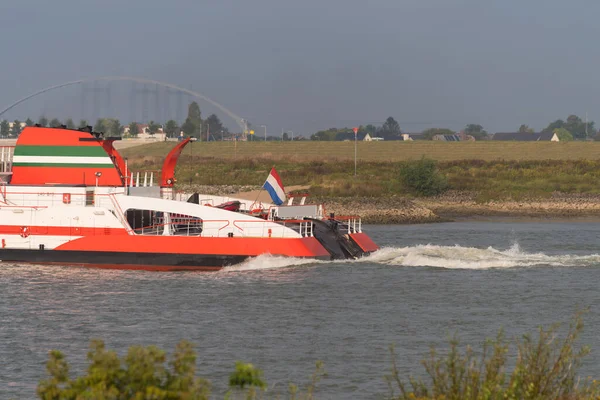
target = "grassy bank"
x: 382, y: 151
x: 334, y: 177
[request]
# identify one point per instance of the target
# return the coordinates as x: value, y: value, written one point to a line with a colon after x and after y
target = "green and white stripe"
x: 61, y: 156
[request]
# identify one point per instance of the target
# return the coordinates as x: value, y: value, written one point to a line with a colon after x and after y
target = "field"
x: 382, y: 151
x: 494, y: 170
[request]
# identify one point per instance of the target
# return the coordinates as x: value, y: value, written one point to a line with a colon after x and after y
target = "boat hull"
x: 177, y: 254
x: 123, y: 260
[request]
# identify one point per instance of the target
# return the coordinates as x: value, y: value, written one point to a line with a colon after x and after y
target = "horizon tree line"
x: 194, y: 125
x: 573, y: 128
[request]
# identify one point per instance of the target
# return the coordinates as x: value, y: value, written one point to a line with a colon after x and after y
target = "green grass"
x: 493, y: 178
x: 380, y: 151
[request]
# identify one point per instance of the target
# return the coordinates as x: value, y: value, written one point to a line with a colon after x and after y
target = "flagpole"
x: 261, y: 189
x: 355, y: 133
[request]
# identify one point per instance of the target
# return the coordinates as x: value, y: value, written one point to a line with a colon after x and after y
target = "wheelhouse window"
x: 89, y: 197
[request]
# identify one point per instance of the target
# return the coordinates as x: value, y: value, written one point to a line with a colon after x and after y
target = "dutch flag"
x: 275, y: 188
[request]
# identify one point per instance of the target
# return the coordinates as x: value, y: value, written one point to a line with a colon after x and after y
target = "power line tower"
x: 145, y: 92
x: 95, y: 91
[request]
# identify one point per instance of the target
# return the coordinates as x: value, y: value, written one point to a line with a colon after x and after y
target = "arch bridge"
x: 238, y: 120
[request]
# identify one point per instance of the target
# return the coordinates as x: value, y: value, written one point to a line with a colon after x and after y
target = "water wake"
x: 451, y: 257
x: 459, y: 257
x: 266, y: 261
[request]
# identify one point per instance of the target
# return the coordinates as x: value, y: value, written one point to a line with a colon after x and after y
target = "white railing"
x: 192, y: 226
x: 350, y: 225
x: 141, y: 179
x: 306, y: 229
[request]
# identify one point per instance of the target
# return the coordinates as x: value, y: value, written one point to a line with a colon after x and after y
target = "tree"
x: 476, y: 131
x: 214, y: 125
x: 389, y: 129
x: 559, y: 123
x: 428, y: 134
x: 55, y: 123
x: 4, y: 128
x: 328, y: 135
x: 115, y: 128
x: 16, y: 128
x: 563, y: 134
x: 29, y: 122
x: 43, y: 121
x: 100, y: 126
x: 153, y: 128
x: 525, y: 129
x: 578, y: 128
x: 171, y: 128
x: 285, y: 136
x: 188, y: 128
x: 69, y: 123
x: 193, y: 123
x: 133, y: 129
x: 83, y: 123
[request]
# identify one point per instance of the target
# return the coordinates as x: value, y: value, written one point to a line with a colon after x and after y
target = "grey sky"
x: 310, y: 65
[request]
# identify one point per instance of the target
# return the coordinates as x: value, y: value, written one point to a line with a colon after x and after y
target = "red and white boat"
x: 68, y: 198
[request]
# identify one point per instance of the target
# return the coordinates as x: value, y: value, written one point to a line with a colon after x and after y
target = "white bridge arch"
x: 226, y: 111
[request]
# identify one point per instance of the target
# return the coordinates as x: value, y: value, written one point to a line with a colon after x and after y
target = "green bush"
x: 546, y: 368
x: 423, y: 178
x: 142, y: 375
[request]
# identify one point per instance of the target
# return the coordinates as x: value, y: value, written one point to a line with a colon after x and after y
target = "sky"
x: 308, y: 65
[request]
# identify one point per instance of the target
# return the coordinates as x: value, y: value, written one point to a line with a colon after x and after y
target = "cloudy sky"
x: 310, y: 65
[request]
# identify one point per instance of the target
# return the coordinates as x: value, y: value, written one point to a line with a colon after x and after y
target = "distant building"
x: 412, y: 136
x: 144, y: 132
x: 526, y: 137
x: 464, y: 137
x: 22, y: 125
x: 447, y: 138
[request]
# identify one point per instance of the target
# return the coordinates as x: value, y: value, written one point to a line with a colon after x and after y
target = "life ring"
x: 25, y: 231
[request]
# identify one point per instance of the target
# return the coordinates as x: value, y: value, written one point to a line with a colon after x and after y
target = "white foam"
x: 267, y: 261
x: 451, y: 257
x: 459, y: 257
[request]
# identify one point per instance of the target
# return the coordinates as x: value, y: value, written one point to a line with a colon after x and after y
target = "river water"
x: 426, y: 284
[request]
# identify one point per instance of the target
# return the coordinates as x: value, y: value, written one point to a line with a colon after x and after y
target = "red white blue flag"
x: 275, y: 188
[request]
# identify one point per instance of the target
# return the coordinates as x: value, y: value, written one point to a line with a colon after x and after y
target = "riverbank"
x: 453, y: 205
x: 461, y: 205
x: 464, y: 206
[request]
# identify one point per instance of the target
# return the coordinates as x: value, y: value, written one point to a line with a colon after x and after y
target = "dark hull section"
x: 340, y: 246
x: 123, y: 260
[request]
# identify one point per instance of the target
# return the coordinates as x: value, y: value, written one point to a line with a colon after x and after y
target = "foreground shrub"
x: 423, y: 178
x: 546, y: 368
x: 142, y: 375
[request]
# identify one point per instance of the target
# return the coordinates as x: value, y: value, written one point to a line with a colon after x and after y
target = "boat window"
x: 150, y: 222
x: 145, y: 222
x: 185, y: 225
x: 89, y: 197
